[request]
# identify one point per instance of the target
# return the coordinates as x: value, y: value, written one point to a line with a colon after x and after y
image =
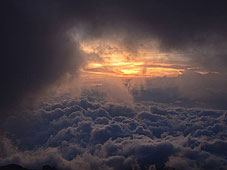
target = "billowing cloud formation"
x: 35, y: 51
x: 94, y: 134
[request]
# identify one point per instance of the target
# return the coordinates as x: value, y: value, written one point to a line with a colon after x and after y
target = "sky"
x: 113, y: 84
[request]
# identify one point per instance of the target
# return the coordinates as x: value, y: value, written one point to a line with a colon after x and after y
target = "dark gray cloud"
x: 35, y: 51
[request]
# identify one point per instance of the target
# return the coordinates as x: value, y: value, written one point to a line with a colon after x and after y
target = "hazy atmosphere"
x: 113, y: 85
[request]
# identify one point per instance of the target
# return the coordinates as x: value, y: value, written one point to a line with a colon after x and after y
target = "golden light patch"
x: 118, y: 61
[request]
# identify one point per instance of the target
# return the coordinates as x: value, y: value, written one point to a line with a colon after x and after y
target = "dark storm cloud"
x: 195, y: 28
x: 35, y: 51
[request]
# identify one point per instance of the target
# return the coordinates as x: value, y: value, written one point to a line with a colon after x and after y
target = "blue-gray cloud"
x: 89, y: 134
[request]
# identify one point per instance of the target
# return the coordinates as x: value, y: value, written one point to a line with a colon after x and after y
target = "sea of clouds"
x: 119, y: 131
x: 92, y: 133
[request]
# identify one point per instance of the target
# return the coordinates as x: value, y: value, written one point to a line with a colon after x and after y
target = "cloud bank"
x: 95, y: 134
x: 188, y: 89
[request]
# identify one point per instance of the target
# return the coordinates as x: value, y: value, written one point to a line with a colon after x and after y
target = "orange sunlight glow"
x: 115, y: 60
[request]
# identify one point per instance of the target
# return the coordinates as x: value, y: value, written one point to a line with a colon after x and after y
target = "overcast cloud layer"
x: 35, y: 51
